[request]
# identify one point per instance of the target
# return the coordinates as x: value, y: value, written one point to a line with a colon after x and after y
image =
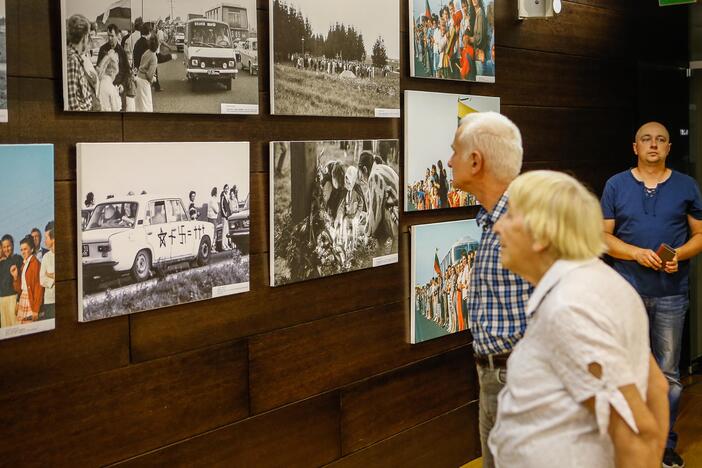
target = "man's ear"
x: 539, y: 246
x: 636, y: 152
x: 477, y: 162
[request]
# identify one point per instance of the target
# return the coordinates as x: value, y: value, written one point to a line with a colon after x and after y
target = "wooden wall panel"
x: 300, y: 435
x: 318, y: 371
x: 329, y: 353
x: 378, y: 408
x: 447, y: 441
x: 110, y: 416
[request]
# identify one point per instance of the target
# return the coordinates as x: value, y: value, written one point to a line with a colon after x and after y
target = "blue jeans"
x: 666, y: 316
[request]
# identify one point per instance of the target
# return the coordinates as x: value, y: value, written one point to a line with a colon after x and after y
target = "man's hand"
x: 649, y: 259
x: 672, y: 266
x: 13, y: 271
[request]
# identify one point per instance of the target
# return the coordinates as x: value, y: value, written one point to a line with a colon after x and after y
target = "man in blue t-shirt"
x: 643, y: 208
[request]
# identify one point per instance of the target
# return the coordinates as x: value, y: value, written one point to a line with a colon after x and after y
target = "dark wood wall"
x: 304, y: 375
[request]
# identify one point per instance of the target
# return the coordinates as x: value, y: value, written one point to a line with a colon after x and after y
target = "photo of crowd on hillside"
x: 3, y: 64
x: 334, y: 207
x: 341, y: 60
x: 442, y: 255
x: 183, y: 56
x: 431, y: 120
x: 172, y: 232
x: 27, y: 245
x: 452, y: 39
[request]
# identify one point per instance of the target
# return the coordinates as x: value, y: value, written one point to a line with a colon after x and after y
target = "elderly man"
x: 487, y: 156
x: 644, y: 208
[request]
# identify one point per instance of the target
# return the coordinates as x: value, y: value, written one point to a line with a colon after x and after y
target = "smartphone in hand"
x: 666, y: 253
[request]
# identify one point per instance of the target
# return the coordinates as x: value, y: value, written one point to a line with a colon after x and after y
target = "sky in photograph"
x: 429, y: 237
x: 372, y: 18
x: 431, y: 120
x: 2, y: 8
x: 26, y: 189
x: 153, y: 10
x: 163, y: 169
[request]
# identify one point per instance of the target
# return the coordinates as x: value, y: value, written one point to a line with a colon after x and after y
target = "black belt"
x: 493, y: 361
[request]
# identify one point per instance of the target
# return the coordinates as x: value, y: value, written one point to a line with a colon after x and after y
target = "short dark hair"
x: 153, y: 44
x: 145, y: 29
x: 49, y: 229
x: 78, y: 27
x: 192, y: 192
x: 29, y: 241
x: 366, y: 161
x: 214, y: 191
x: 35, y: 230
x: 8, y: 237
x: 113, y: 27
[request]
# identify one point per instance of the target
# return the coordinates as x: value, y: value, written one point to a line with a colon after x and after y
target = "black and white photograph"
x: 338, y: 59
x: 3, y: 64
x: 452, y: 40
x: 431, y: 120
x: 334, y: 207
x: 160, y: 224
x: 164, y: 56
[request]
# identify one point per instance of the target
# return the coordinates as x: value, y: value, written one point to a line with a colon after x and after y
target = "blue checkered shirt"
x: 498, y: 297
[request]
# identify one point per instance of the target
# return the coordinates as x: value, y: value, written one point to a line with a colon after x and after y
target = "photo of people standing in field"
x: 27, y: 242
x: 160, y: 224
x: 443, y: 255
x: 431, y: 120
x: 452, y: 39
x: 335, y: 59
x: 184, y: 56
x: 335, y: 207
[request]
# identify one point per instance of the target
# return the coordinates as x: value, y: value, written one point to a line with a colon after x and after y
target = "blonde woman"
x: 582, y: 387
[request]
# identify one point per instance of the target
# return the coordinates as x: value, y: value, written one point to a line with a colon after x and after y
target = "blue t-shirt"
x: 647, y: 219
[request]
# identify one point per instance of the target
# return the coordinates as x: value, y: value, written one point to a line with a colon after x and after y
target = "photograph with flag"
x: 431, y: 120
x: 452, y: 39
x: 442, y: 257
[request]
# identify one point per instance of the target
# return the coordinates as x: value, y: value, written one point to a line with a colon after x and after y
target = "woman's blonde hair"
x: 560, y: 213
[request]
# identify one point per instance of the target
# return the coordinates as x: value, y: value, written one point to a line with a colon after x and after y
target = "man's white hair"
x: 497, y: 138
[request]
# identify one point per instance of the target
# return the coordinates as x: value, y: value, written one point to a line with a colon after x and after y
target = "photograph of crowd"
x: 334, y: 207
x: 3, y: 64
x: 442, y: 261
x: 431, y: 120
x: 338, y: 60
x: 160, y: 224
x: 452, y: 39
x: 184, y: 56
x: 27, y: 262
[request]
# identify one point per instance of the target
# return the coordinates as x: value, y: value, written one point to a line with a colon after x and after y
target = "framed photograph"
x: 184, y: 56
x: 452, y: 39
x: 27, y: 261
x: 431, y: 120
x: 442, y: 261
x: 338, y: 59
x: 3, y: 64
x: 334, y: 207
x: 160, y: 224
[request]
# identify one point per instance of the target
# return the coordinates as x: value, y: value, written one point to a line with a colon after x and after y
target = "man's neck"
x: 490, y: 195
x: 651, y: 174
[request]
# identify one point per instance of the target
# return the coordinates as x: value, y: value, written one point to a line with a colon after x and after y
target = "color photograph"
x: 180, y: 56
x: 452, y: 40
x: 160, y: 224
x: 27, y: 262
x: 334, y: 207
x: 442, y: 261
x: 431, y: 120
x: 338, y: 59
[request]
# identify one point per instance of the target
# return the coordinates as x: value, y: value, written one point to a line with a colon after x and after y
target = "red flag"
x: 437, y: 266
x: 427, y: 13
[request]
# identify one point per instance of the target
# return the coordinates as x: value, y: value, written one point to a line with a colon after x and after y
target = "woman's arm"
x: 645, y: 449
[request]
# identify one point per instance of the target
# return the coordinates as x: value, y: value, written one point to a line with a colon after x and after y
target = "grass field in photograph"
x: 304, y: 92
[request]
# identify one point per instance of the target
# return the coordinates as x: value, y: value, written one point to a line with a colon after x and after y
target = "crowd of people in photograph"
x: 27, y: 279
x: 336, y: 66
x: 458, y: 43
x: 436, y: 191
x: 444, y: 298
x: 354, y: 204
x: 219, y: 208
x: 125, y: 71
